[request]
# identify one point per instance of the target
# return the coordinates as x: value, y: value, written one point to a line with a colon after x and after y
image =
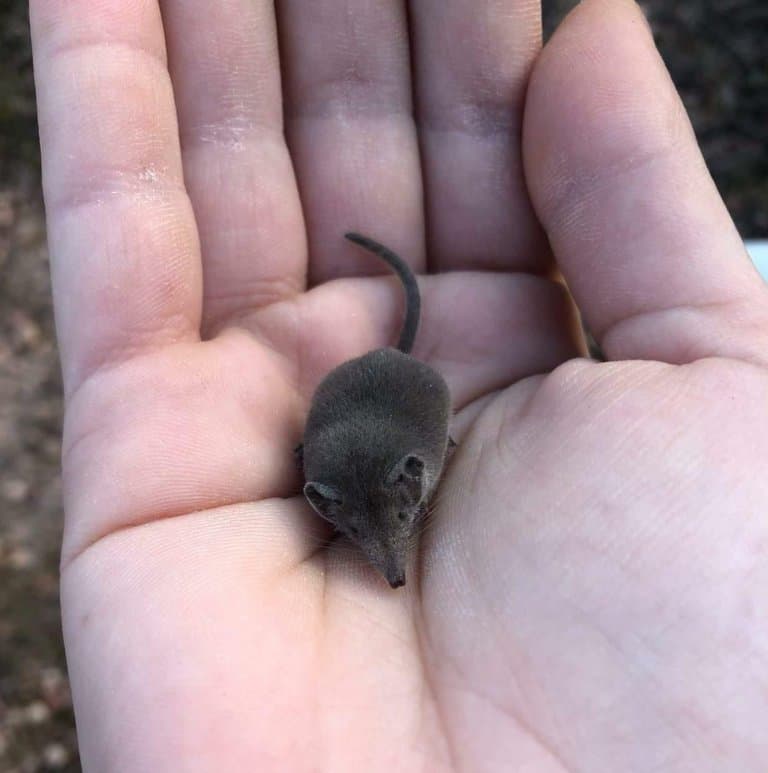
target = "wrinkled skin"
x: 591, y: 595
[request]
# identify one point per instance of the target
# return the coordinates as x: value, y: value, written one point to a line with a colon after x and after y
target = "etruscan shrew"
x: 376, y: 440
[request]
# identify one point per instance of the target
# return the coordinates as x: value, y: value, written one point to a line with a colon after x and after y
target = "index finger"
x: 124, y: 248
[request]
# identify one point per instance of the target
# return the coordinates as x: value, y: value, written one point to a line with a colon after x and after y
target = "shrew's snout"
x: 388, y: 559
x: 396, y: 580
x: 394, y: 570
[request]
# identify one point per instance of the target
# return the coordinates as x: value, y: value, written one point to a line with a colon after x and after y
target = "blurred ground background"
x: 717, y: 53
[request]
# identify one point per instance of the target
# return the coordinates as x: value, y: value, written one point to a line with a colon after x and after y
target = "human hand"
x: 591, y: 594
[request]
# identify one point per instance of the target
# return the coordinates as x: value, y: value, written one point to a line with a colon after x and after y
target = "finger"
x: 226, y: 75
x: 123, y: 243
x: 472, y: 62
x: 351, y: 131
x: 636, y: 223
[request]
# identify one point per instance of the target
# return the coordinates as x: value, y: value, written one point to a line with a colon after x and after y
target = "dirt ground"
x: 716, y: 52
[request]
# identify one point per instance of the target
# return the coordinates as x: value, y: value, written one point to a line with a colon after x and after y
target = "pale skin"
x: 593, y: 592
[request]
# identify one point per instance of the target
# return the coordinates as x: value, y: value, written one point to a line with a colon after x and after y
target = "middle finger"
x: 350, y: 129
x: 472, y: 62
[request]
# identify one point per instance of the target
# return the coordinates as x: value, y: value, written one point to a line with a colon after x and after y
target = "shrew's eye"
x: 354, y: 530
x: 402, y: 516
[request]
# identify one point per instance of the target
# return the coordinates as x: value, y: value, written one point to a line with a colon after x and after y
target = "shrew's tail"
x: 412, y: 297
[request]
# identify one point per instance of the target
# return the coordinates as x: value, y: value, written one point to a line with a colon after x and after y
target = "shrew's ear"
x: 407, y: 476
x: 325, y: 500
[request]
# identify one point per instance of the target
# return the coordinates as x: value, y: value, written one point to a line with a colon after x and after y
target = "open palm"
x: 591, y: 592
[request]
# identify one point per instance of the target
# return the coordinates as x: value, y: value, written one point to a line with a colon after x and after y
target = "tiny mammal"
x: 376, y: 440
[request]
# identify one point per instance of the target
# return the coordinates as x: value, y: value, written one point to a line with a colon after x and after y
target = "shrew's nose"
x: 391, y: 562
x: 396, y: 579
